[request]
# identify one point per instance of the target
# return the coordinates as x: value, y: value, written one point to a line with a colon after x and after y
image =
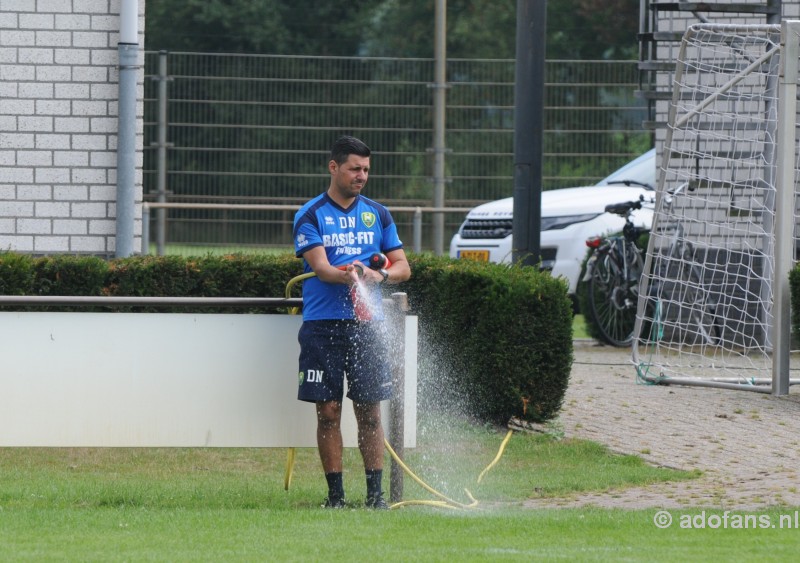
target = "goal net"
x: 713, y: 301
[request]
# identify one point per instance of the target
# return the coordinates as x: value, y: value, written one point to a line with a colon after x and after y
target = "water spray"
x: 380, y: 262
x: 363, y: 312
x: 358, y: 292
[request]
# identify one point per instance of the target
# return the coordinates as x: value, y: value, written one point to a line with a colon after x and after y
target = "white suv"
x: 569, y: 217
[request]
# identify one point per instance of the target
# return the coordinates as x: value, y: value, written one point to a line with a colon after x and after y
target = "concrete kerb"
x: 747, y: 445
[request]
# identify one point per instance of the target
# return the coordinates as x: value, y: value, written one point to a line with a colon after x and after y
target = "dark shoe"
x: 334, y: 503
x: 376, y: 503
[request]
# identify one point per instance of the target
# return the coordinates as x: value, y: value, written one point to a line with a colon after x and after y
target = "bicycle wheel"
x: 699, y: 308
x: 613, y: 295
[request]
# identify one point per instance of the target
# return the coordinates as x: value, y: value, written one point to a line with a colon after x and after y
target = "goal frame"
x: 785, y: 86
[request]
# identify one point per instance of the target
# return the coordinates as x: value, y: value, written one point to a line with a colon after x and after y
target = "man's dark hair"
x: 345, y: 146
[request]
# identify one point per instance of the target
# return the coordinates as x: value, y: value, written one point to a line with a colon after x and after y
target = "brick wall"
x: 58, y: 125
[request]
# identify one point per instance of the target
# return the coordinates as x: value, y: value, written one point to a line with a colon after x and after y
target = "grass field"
x: 230, y: 505
x: 579, y: 327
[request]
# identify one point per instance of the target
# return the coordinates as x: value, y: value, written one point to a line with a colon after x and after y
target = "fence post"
x: 439, y: 112
x: 418, y: 230
x: 397, y: 327
x: 161, y: 160
x: 145, y: 229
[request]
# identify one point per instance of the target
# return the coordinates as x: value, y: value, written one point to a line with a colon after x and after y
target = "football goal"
x: 714, y: 297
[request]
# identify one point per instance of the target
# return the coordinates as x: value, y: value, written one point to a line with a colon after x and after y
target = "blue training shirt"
x: 355, y: 233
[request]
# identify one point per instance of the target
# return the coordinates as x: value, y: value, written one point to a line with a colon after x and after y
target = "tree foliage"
x: 300, y: 27
x: 593, y: 29
x: 214, y: 25
x: 576, y: 29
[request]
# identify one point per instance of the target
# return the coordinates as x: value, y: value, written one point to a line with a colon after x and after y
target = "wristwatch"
x: 385, y: 275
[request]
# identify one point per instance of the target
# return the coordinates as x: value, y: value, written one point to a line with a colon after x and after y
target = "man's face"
x: 350, y: 176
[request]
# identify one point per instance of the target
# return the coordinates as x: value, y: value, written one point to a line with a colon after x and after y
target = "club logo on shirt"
x: 368, y: 218
x: 301, y: 240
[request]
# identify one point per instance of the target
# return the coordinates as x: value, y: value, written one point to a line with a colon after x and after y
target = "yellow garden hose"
x: 497, y: 457
x: 424, y: 485
x: 447, y: 502
x: 287, y: 479
x: 294, y: 280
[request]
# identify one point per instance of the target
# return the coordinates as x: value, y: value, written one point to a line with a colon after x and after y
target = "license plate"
x: 477, y: 255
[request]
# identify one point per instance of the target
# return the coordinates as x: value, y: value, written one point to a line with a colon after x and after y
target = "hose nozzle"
x: 378, y: 261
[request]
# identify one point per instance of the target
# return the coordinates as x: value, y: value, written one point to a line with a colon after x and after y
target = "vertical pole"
x: 418, y: 230
x: 397, y: 403
x: 528, y: 131
x: 145, y: 229
x: 784, y: 204
x: 161, y: 159
x: 774, y: 18
x: 440, y: 87
x: 128, y: 49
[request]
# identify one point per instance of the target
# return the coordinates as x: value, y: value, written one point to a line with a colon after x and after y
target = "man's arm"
x: 318, y: 260
x: 400, y: 270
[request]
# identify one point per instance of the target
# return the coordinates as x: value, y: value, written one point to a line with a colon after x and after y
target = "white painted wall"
x: 75, y: 379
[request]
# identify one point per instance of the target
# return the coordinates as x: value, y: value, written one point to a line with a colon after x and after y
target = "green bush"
x: 794, y: 289
x: 155, y: 276
x: 70, y: 275
x: 17, y: 274
x: 501, y: 337
x: 496, y: 338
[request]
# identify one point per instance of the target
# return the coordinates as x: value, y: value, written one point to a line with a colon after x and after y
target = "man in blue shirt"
x: 336, y: 233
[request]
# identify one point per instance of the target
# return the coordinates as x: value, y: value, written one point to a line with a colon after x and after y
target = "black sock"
x: 335, y: 485
x: 374, y: 478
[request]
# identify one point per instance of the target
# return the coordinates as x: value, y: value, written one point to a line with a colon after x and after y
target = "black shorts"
x: 333, y: 350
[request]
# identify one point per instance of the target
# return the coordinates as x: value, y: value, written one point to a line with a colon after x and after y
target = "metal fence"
x: 255, y: 129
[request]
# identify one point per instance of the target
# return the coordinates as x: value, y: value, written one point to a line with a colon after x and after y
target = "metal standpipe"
x: 397, y: 326
x: 126, y: 150
x: 128, y: 48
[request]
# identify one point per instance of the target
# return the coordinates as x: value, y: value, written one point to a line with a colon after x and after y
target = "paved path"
x: 746, y: 444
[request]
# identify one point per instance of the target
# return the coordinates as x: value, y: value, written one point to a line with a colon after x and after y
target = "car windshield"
x: 639, y: 172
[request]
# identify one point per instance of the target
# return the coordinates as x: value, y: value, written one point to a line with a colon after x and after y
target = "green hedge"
x: 498, y: 339
x: 794, y: 289
x: 495, y: 340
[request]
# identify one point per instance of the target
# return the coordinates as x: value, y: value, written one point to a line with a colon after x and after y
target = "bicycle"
x: 613, y: 271
x: 679, y: 297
